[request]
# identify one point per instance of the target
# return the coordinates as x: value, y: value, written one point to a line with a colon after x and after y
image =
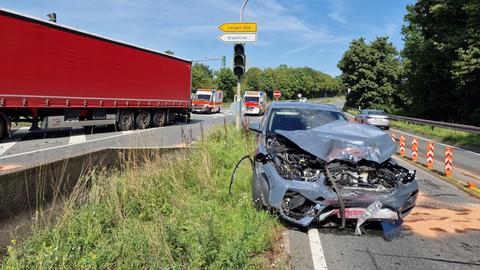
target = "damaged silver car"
x: 313, y: 165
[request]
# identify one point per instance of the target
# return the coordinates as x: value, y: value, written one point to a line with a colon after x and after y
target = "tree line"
x: 436, y: 75
x: 290, y: 80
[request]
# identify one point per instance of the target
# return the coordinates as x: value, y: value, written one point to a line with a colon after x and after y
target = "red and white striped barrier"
x: 394, y: 137
x: 430, y: 155
x: 414, y: 149
x: 448, y: 161
x: 402, y: 145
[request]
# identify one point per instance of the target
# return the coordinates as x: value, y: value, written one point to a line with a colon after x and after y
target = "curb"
x: 475, y: 192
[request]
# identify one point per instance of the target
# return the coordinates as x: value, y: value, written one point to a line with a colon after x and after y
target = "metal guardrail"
x: 460, y: 127
x: 466, y: 128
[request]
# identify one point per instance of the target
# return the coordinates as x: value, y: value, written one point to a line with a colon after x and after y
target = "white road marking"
x: 77, y: 139
x: 66, y: 145
x: 318, y: 256
x: 20, y: 133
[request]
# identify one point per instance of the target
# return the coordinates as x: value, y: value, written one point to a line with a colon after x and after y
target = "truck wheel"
x: 125, y: 121
x: 143, y: 120
x: 159, y: 118
x: 3, y: 128
x: 88, y: 130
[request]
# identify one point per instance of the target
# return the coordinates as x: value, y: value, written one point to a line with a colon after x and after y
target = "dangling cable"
x: 232, y: 178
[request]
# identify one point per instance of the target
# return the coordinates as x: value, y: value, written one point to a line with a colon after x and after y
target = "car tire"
x: 387, y: 128
x: 257, y: 198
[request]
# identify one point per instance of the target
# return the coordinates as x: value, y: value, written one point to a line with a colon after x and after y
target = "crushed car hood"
x: 343, y: 140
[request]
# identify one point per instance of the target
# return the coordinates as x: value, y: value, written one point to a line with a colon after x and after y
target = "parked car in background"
x: 376, y: 118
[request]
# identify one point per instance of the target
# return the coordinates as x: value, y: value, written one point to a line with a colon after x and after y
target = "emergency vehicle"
x: 255, y: 102
x: 207, y: 101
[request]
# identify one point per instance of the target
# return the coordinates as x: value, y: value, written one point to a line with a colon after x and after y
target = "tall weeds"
x: 166, y: 213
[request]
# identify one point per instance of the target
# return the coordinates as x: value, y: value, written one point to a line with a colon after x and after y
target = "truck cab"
x: 255, y: 102
x: 207, y: 101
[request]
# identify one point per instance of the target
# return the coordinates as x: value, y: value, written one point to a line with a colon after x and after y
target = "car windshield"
x: 301, y: 119
x: 376, y: 112
x: 251, y: 99
x: 202, y: 97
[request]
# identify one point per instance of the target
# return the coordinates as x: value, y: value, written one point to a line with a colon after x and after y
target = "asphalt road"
x: 25, y: 149
x: 466, y: 164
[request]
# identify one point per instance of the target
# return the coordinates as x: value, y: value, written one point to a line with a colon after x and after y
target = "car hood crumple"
x: 343, y: 141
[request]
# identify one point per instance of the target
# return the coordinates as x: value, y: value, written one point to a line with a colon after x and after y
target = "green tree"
x: 442, y: 59
x: 225, y: 80
x: 252, y: 78
x: 373, y: 73
x: 202, y: 76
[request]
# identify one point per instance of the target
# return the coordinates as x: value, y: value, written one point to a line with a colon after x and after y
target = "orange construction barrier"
x: 402, y: 145
x: 448, y: 161
x: 430, y: 154
x: 414, y: 149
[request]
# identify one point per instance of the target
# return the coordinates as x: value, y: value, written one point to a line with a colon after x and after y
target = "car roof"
x: 304, y: 105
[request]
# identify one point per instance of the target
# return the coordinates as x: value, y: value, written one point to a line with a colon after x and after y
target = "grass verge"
x: 169, y: 213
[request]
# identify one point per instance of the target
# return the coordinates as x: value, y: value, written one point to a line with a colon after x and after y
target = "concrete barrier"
x: 33, y: 188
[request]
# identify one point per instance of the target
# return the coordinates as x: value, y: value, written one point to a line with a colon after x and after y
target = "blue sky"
x: 311, y: 33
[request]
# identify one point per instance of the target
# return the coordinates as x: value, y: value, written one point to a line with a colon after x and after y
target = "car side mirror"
x: 255, y: 127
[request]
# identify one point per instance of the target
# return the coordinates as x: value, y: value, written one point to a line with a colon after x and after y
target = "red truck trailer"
x: 63, y: 77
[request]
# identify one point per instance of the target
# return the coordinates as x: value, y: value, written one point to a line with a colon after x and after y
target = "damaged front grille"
x: 292, y: 163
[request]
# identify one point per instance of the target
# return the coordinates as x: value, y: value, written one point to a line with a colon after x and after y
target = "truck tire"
x: 125, y: 121
x: 88, y: 130
x: 159, y: 118
x: 3, y: 128
x: 143, y: 120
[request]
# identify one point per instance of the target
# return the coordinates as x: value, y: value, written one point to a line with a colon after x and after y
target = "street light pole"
x: 239, y: 99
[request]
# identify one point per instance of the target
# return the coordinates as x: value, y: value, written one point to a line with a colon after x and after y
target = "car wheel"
x: 387, y: 128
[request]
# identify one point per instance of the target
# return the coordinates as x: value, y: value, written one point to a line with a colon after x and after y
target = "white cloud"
x: 337, y: 11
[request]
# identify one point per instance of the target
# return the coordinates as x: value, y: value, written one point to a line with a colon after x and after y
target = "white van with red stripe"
x: 255, y: 102
x: 207, y: 101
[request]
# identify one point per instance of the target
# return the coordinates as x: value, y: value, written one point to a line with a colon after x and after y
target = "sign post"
x: 239, y: 33
x: 277, y: 94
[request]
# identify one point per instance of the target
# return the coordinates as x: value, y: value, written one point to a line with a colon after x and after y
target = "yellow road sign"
x: 249, y: 27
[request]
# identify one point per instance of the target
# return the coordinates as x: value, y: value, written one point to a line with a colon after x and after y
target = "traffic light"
x: 239, y: 60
